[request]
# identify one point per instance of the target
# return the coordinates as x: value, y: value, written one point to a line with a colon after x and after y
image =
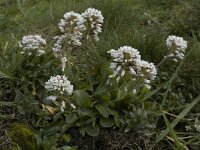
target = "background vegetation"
x: 142, y: 24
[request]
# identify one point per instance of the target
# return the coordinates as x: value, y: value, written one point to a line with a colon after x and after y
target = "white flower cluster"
x: 33, y: 44
x: 177, y: 46
x: 148, y: 71
x: 59, y: 83
x: 94, y: 20
x: 57, y: 48
x: 72, y: 26
x: 128, y: 60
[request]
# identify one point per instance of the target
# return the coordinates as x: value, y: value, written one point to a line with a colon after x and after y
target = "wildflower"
x: 63, y: 63
x: 127, y: 60
x: 62, y: 107
x: 51, y: 98
x: 57, y: 48
x: 149, y: 72
x: 33, y: 44
x: 187, y: 128
x: 72, y: 26
x: 59, y: 83
x: 94, y: 20
x: 177, y: 47
x: 134, y: 91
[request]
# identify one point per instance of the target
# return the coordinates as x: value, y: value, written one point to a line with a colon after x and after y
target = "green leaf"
x: 121, y: 94
x: 92, y: 130
x: 12, y: 116
x: 103, y: 109
x: 91, y: 112
x: 82, y: 98
x: 2, y: 16
x: 68, y: 148
x: 103, y: 93
x: 82, y: 131
x: 116, y: 116
x: 124, y: 102
x: 142, y: 94
x: 106, y: 96
x: 100, y: 90
x: 5, y: 74
x: 177, y: 120
x: 8, y: 103
x: 107, y: 122
x: 172, y: 132
x: 71, y: 118
x: 85, y: 122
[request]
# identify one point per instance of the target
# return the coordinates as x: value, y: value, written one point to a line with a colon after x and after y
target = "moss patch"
x: 22, y: 136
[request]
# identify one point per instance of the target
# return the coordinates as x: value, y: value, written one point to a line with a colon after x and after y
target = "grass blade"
x: 172, y: 132
x: 177, y: 120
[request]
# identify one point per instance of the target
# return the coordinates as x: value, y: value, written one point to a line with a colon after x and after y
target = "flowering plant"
x: 82, y: 89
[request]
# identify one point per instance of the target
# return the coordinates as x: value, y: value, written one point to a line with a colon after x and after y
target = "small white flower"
x: 118, y: 78
x: 62, y: 107
x: 174, y: 59
x: 118, y: 68
x: 132, y: 71
x: 122, y: 73
x: 134, y: 91
x: 51, y: 98
x: 33, y: 44
x: 73, y: 106
x: 147, y: 86
x: 171, y: 55
x: 40, y: 52
x: 147, y: 81
x: 187, y: 128
x: 125, y: 89
x: 63, y: 63
x: 59, y: 83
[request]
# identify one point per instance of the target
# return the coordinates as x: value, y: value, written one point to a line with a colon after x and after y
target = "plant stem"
x: 162, y: 61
